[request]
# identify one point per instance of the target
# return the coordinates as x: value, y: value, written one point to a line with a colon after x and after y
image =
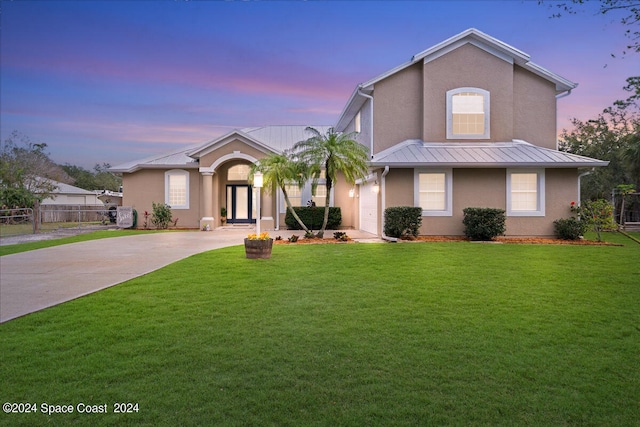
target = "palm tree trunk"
x: 293, y: 212
x: 325, y: 221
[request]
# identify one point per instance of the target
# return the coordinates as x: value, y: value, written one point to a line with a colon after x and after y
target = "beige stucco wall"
x: 411, y: 103
x: 229, y: 148
x: 561, y: 190
x: 144, y: 187
x: 534, y: 108
x: 468, y: 66
x: 487, y: 188
x: 398, y: 108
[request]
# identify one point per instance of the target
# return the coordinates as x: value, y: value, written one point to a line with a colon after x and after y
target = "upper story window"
x: 238, y: 173
x: 358, y: 123
x: 176, y: 189
x: 468, y: 113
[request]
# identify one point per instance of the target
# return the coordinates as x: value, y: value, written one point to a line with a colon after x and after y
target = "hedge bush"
x: 312, y: 217
x: 402, y: 221
x: 569, y: 228
x: 483, y: 223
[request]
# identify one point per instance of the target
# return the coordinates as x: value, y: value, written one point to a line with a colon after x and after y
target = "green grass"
x: 346, y: 335
x: 30, y: 246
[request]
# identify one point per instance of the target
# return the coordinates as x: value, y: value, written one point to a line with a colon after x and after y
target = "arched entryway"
x: 240, y: 199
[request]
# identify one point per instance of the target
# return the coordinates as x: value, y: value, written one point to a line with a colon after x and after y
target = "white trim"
x: 167, y: 175
x: 448, y: 191
x: 487, y: 113
x: 232, y: 156
x: 541, y: 185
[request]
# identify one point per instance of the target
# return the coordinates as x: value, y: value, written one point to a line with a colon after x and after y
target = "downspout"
x: 562, y: 95
x: 383, y: 190
x: 371, y: 121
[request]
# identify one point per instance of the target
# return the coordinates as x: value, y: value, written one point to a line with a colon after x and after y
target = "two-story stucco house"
x: 469, y: 122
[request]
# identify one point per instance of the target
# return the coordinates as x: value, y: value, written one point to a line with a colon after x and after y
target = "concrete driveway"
x: 34, y: 280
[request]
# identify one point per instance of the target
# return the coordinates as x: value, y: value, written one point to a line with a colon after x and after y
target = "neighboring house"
x: 65, y: 194
x: 470, y: 122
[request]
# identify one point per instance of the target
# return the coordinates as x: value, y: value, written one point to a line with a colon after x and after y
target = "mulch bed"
x: 314, y: 241
x: 514, y: 240
x: 507, y: 240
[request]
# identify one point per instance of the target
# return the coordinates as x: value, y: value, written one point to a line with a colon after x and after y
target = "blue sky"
x: 116, y: 81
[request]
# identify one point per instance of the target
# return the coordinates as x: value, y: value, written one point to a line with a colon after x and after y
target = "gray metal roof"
x: 276, y: 138
x: 416, y: 153
x: 281, y: 138
x: 177, y: 159
x: 62, y: 188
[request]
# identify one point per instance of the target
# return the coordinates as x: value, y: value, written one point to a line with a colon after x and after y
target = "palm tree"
x: 335, y: 152
x: 278, y: 170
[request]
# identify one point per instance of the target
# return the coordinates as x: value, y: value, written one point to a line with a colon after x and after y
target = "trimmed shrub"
x: 312, y: 217
x: 483, y: 223
x: 569, y: 228
x: 161, y: 216
x: 402, y: 221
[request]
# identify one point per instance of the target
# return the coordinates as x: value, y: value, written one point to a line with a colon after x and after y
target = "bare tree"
x: 627, y: 12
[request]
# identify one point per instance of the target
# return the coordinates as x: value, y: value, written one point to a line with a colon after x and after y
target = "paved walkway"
x: 34, y: 280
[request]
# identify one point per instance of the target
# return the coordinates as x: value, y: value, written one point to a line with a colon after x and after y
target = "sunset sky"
x: 121, y: 80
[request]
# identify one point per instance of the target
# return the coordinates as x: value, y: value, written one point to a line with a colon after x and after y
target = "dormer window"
x: 468, y: 113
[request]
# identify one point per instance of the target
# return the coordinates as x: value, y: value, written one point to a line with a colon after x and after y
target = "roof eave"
x: 135, y: 168
x: 472, y: 165
x: 209, y: 146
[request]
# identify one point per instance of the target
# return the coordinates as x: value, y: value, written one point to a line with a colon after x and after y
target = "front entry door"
x: 239, y: 204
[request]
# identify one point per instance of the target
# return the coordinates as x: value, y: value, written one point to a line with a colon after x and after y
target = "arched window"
x: 468, y: 113
x: 238, y: 173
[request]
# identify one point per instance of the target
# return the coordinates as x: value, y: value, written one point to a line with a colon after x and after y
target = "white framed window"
x: 321, y: 195
x: 176, y: 188
x: 295, y: 196
x: 357, y: 122
x: 302, y: 196
x: 468, y: 113
x: 433, y: 191
x: 525, y: 192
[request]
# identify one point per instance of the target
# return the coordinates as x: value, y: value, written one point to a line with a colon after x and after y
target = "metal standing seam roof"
x: 277, y: 138
x: 177, y: 158
x: 281, y: 138
x: 416, y: 153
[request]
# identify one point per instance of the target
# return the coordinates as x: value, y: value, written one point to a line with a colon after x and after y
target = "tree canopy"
x: 614, y: 136
x: 27, y: 172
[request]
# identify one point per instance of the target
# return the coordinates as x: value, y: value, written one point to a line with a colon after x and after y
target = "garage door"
x: 368, y: 208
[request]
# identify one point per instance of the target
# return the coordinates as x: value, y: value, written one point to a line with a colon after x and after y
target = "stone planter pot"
x: 258, y: 248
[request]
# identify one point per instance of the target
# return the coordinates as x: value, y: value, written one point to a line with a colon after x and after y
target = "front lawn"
x: 345, y: 335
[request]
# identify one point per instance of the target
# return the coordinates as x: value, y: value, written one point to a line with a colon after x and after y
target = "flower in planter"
x: 262, y: 236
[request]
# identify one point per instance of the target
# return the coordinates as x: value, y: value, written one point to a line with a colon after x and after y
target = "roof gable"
x: 472, y: 36
x: 214, y: 144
